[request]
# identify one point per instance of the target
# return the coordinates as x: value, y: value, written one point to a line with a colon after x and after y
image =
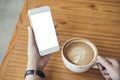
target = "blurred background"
x: 9, y: 14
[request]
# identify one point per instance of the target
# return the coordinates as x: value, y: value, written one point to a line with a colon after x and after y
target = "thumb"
x: 31, y: 40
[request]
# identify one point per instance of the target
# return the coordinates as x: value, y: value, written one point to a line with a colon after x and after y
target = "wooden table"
x: 96, y: 20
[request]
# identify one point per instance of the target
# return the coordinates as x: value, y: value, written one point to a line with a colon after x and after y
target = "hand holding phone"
x: 44, y: 30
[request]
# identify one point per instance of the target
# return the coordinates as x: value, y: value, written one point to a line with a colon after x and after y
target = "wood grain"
x: 96, y: 20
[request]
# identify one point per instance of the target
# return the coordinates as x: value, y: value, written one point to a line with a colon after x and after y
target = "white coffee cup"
x: 79, y: 68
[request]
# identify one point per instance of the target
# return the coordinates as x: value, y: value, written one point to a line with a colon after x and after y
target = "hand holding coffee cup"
x: 79, y: 54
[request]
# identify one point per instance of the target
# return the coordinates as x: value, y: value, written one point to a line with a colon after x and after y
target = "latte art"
x: 79, y: 53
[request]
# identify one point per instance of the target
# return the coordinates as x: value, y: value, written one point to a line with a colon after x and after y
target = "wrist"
x: 34, y: 74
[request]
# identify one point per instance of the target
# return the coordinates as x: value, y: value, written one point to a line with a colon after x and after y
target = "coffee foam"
x: 79, y: 53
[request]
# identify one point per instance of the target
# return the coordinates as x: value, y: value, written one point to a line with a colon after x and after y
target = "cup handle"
x: 95, y: 65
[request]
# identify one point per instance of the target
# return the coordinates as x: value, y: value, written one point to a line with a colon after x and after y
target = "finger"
x: 112, y: 61
x: 30, y: 37
x: 105, y: 72
x: 99, y: 66
x: 55, y: 25
x: 44, y: 60
x: 107, y: 77
x: 57, y: 34
x: 46, y: 57
x: 104, y: 62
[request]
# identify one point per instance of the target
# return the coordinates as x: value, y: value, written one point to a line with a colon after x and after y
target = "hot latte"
x: 79, y: 53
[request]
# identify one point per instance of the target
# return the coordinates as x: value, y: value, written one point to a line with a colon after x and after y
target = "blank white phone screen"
x: 44, y: 30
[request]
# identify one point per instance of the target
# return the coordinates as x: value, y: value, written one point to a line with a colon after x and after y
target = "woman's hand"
x: 35, y: 61
x: 109, y: 68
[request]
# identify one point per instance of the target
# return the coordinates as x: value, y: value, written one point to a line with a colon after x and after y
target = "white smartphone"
x: 44, y: 30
